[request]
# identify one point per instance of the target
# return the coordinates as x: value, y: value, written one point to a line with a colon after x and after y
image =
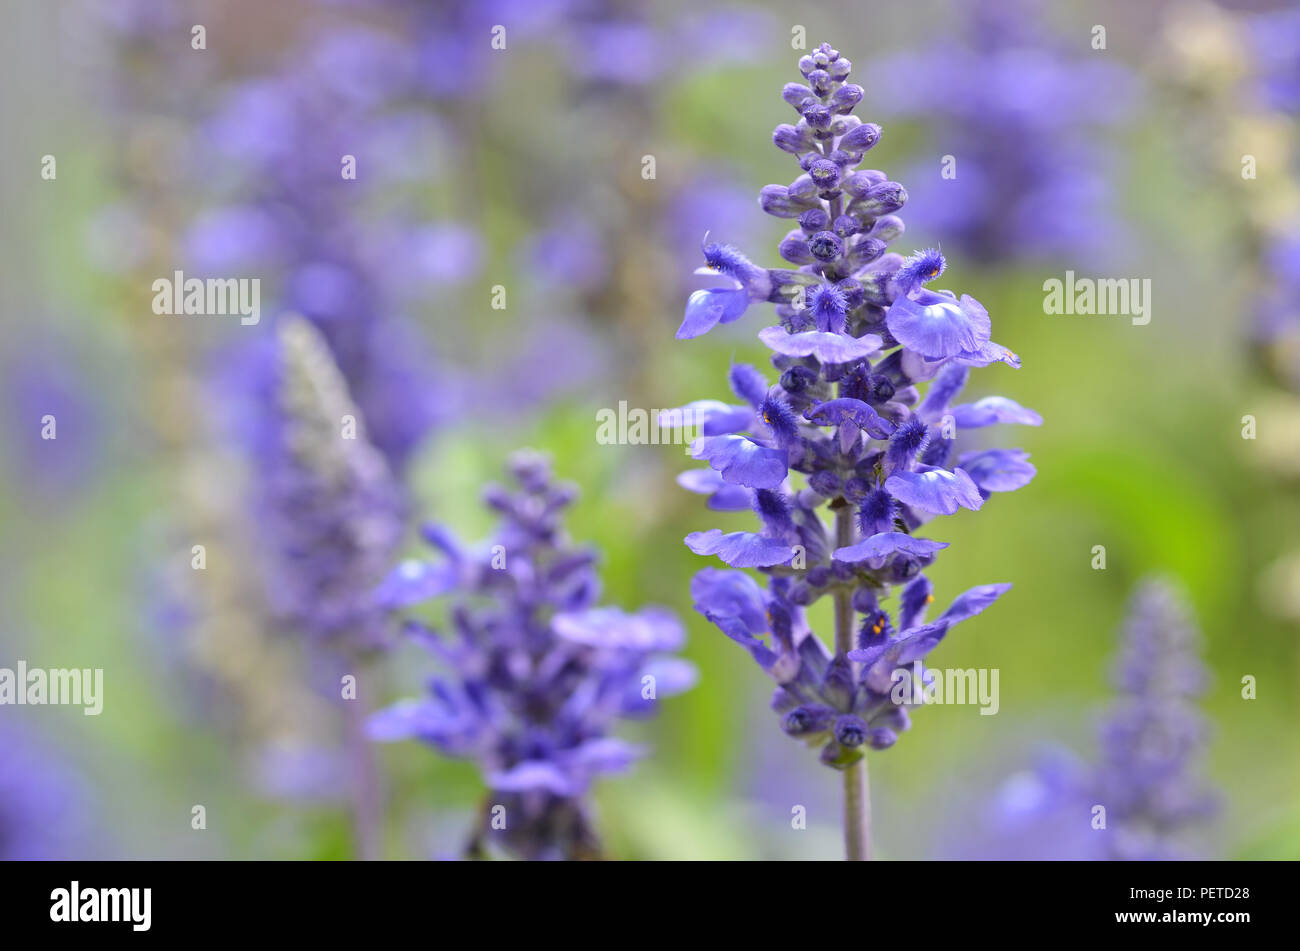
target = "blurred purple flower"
x: 253, y: 166
x: 1147, y: 777
x: 1017, y: 164
x: 1151, y: 741
x: 53, y: 419
x: 1275, y: 47
x: 536, y: 672
x: 1275, y: 44
x: 328, y: 502
x: 42, y: 802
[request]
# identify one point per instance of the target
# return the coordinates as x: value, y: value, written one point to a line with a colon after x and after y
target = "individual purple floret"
x: 1147, y: 777
x: 330, y: 506
x: 536, y: 672
x: 858, y: 331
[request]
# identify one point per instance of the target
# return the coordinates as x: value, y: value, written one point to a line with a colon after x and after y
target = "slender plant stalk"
x: 857, y: 795
x: 367, y: 815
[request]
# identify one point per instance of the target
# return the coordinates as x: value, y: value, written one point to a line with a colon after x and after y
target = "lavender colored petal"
x: 884, y: 544
x: 938, y: 326
x: 826, y: 347
x: 705, y: 309
x: 742, y: 461
x: 740, y: 549
x: 723, y: 497
x: 973, y: 601
x: 935, y: 490
x: 998, y: 470
x: 992, y: 410
x: 763, y: 655
x: 880, y: 661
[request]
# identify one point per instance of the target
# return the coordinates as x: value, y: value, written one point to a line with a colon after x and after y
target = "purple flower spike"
x: 852, y: 428
x: 987, y: 355
x: 742, y: 461
x: 1148, y: 775
x: 331, y: 507
x: 1154, y: 735
x: 412, y: 582
x: 730, y: 594
x: 973, y: 601
x: 740, y: 549
x: 538, y: 673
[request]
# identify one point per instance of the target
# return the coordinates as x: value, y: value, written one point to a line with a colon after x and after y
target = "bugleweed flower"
x: 537, y: 673
x: 858, y: 332
x: 1154, y: 734
x: 331, y: 507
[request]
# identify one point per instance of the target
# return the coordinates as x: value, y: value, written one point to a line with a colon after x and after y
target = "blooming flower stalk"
x: 332, y: 512
x: 844, y: 428
x: 332, y: 504
x: 536, y: 672
x: 1154, y: 734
